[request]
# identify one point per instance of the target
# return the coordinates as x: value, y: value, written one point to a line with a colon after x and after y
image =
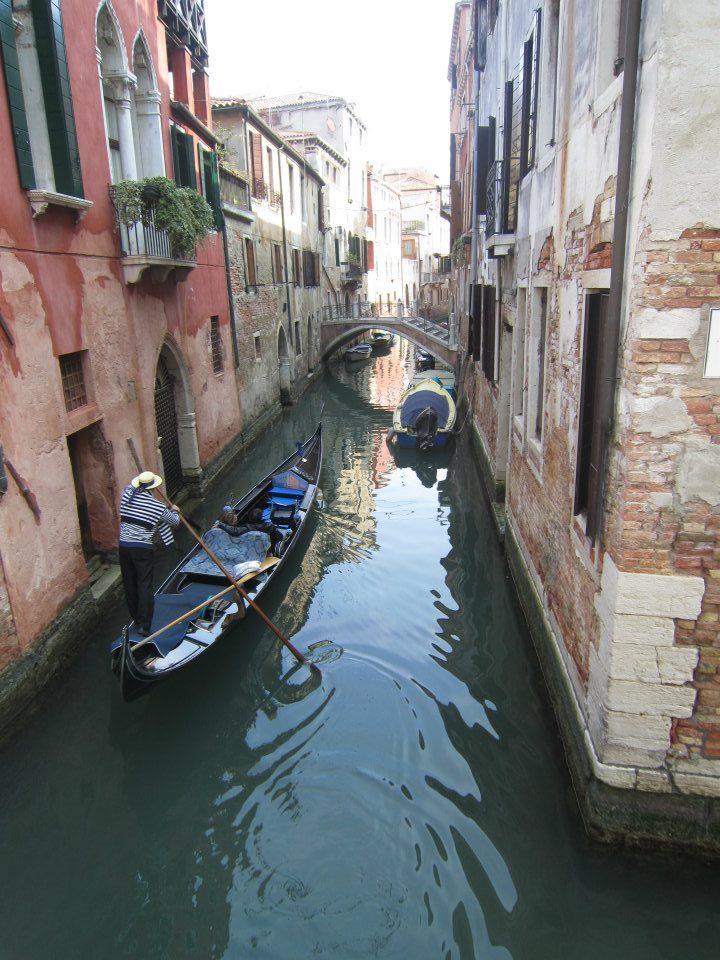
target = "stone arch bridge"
x: 433, y: 337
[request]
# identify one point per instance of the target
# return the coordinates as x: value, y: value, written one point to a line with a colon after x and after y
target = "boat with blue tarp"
x: 195, y: 606
x: 426, y: 413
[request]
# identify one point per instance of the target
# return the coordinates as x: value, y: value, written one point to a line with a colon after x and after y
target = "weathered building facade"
x: 587, y: 225
x: 108, y: 332
x: 272, y: 201
x: 343, y: 167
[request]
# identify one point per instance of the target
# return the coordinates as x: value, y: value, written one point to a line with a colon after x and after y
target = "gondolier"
x: 141, y: 517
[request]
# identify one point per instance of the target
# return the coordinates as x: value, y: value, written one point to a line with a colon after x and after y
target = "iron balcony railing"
x: 262, y: 191
x: 501, y: 204
x: 352, y: 269
x: 142, y: 238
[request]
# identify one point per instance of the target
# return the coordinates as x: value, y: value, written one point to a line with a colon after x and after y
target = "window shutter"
x: 210, y: 182
x: 50, y: 43
x: 16, y: 101
x: 191, y: 180
x: 215, y: 178
x: 483, y: 166
x: 175, y: 145
x: 183, y: 158
x: 256, y: 155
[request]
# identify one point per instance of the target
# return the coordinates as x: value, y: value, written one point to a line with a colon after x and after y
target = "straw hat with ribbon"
x: 146, y: 480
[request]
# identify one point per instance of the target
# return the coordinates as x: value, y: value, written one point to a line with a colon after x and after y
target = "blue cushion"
x: 286, y: 492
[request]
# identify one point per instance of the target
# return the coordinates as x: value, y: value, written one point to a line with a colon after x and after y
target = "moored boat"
x: 424, y: 360
x: 195, y: 606
x: 446, y: 378
x: 380, y: 340
x: 425, y: 415
x: 360, y: 351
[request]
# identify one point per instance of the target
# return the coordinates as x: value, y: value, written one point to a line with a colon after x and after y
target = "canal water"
x: 412, y: 803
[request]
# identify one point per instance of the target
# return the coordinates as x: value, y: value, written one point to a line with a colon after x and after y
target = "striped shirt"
x: 141, y: 515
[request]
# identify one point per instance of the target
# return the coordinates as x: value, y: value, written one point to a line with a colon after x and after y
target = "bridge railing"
x: 354, y: 311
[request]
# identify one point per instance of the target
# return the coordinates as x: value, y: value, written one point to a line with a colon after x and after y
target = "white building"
x: 384, y: 233
x: 340, y: 151
x: 425, y: 239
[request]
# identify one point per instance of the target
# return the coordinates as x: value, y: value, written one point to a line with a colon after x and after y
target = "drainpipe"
x: 285, y: 257
x: 228, y: 280
x: 476, y: 114
x: 608, y: 373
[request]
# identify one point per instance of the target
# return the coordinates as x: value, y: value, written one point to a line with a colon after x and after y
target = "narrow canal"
x: 413, y: 803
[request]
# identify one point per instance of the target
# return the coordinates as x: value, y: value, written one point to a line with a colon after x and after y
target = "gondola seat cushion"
x: 253, y: 545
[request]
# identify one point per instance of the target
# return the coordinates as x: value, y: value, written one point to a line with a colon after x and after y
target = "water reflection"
x: 411, y: 802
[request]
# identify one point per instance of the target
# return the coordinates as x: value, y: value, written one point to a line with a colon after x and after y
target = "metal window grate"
x: 73, y: 381
x: 216, y: 345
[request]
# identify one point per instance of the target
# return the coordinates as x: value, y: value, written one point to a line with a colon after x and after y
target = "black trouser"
x: 136, y: 567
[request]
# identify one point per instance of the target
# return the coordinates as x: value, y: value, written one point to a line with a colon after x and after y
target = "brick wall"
x: 665, y: 513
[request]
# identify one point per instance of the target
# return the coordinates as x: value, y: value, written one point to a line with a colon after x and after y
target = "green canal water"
x: 413, y: 803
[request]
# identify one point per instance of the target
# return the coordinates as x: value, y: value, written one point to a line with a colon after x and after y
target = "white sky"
x: 389, y: 57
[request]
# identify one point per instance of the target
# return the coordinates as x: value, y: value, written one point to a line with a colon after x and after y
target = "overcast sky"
x: 389, y: 57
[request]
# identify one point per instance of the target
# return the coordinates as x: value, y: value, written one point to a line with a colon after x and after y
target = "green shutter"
x: 50, y: 44
x: 190, y: 160
x: 175, y: 143
x: 183, y: 158
x: 210, y: 182
x: 16, y: 102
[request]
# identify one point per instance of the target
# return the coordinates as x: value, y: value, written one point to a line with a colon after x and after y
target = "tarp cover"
x: 289, y: 481
x: 417, y: 401
x: 230, y: 550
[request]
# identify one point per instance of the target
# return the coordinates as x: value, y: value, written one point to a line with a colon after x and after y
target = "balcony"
x: 262, y: 191
x: 235, y: 193
x: 501, y: 206
x: 352, y: 271
x: 145, y: 248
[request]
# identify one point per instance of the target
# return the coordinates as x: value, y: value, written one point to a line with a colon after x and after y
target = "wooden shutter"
x: 16, y: 101
x: 50, y: 43
x: 591, y: 442
x: 207, y: 161
x: 483, y: 165
x: 183, y: 158
x: 526, y: 106
x: 476, y: 321
x: 256, y: 155
x: 488, y: 328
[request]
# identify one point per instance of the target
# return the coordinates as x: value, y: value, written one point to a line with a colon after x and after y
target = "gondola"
x: 195, y: 606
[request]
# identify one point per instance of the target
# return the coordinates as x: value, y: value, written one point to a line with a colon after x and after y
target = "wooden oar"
x: 281, y: 637
x: 265, y: 565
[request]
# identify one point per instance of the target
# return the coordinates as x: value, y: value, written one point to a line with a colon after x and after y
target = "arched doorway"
x: 167, y: 427
x: 178, y: 450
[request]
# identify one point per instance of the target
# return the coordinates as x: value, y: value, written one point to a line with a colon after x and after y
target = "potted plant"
x: 180, y: 212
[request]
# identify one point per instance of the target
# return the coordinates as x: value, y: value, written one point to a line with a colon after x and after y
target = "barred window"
x: 73, y: 380
x: 216, y: 345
